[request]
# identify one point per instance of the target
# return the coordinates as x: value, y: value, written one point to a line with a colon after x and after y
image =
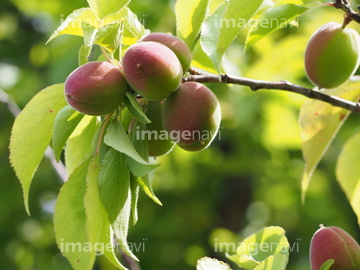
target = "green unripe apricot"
x: 192, y: 116
x: 334, y: 243
x: 152, y: 70
x: 175, y: 44
x: 332, y: 55
x: 159, y: 144
x: 95, y: 88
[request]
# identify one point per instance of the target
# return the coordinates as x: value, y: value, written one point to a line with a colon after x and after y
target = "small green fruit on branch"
x: 255, y: 85
x: 332, y: 55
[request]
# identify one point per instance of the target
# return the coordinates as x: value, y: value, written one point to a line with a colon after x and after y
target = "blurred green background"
x: 249, y: 178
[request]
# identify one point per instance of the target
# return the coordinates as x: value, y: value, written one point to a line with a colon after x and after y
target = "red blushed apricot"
x: 152, y: 70
x: 95, y: 88
x: 334, y: 243
x: 175, y: 44
x: 191, y: 115
x: 158, y: 146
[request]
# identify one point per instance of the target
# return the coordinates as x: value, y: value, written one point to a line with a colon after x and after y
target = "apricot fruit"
x: 192, y: 115
x: 334, y: 243
x: 95, y: 88
x: 332, y: 55
x: 152, y: 70
x: 175, y: 44
x: 158, y: 142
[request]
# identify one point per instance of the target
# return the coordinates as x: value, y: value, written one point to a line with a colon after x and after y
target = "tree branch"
x: 350, y: 15
x: 255, y: 85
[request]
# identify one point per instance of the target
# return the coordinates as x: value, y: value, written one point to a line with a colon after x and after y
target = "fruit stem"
x: 102, y: 132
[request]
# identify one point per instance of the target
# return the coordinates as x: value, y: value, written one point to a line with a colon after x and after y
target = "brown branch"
x: 350, y: 15
x: 255, y: 85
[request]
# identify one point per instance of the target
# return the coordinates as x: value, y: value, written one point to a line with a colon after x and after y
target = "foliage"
x: 93, y: 205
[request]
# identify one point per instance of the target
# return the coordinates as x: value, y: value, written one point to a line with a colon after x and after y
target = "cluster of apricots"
x: 153, y: 68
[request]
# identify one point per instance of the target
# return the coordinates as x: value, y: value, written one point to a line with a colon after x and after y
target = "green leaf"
x: 256, y: 248
x: 135, y: 109
x: 348, y: 172
x: 103, y: 8
x: 109, y: 36
x: 72, y: 25
x: 189, y: 17
x: 117, y: 138
x: 211, y: 264
x: 114, y: 183
x: 121, y: 226
x: 327, y: 265
x: 271, y: 20
x: 83, y: 55
x: 79, y: 144
x: 65, y: 123
x: 32, y: 132
x: 220, y: 29
x: 134, y: 29
x: 97, y: 224
x: 319, y: 123
x: 70, y: 220
x: 135, y: 188
x: 89, y: 33
x: 277, y: 262
x: 146, y: 186
x: 138, y: 169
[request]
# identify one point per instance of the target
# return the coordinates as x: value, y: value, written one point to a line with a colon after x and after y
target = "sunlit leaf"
x: 257, y: 247
x: 114, y: 183
x: 146, y: 186
x: 189, y: 17
x: 271, y: 20
x: 117, y: 138
x: 89, y: 34
x: 121, y: 226
x: 65, y: 123
x: 72, y: 25
x: 327, y: 265
x: 97, y: 224
x: 277, y: 262
x: 32, y: 132
x: 348, y: 172
x: 109, y: 36
x: 135, y: 109
x: 79, y: 145
x: 70, y: 220
x: 135, y: 188
x: 103, y: 8
x: 137, y: 168
x: 220, y: 29
x: 211, y: 264
x: 319, y: 123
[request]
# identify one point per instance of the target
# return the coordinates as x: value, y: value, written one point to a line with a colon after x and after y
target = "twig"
x: 350, y: 15
x: 282, y: 85
x: 49, y: 153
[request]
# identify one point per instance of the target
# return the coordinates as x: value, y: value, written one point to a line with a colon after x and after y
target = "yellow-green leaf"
x: 103, y: 8
x: 319, y: 123
x: 74, y: 22
x: 189, y: 17
x: 70, y: 221
x: 32, y: 132
x: 348, y: 172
